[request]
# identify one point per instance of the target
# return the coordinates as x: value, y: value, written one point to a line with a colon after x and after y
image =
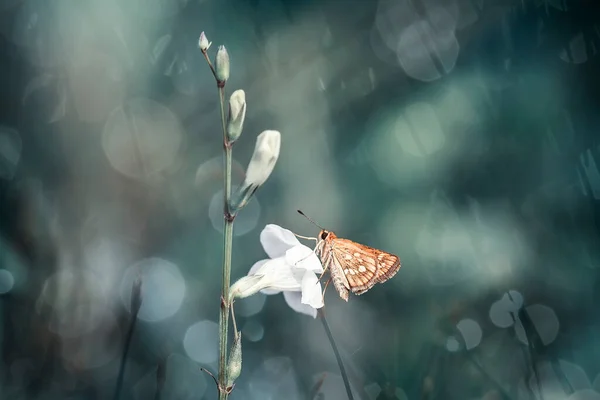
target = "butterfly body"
x: 354, y: 267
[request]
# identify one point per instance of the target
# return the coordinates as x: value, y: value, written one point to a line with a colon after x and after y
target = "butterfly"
x: 354, y: 267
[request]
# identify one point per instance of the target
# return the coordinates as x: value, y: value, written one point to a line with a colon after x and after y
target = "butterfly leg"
x: 326, y: 266
x: 306, y: 237
x: 304, y: 258
x: 323, y: 273
x: 326, y: 284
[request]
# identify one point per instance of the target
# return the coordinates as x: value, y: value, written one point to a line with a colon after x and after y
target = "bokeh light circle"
x: 201, y: 342
x: 452, y: 344
x: 250, y: 305
x: 141, y: 138
x: 471, y: 333
x: 244, y: 222
x: 544, y: 320
x: 7, y: 281
x: 163, y: 288
x: 503, y: 312
x: 253, y: 330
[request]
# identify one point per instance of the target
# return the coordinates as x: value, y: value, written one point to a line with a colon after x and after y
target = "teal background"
x: 460, y: 135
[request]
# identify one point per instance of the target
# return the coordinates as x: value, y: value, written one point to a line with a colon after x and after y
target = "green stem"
x: 338, y: 357
x: 119, y: 385
x: 227, y: 247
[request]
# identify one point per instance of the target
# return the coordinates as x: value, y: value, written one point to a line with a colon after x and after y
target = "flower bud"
x: 266, y: 152
x: 203, y: 42
x: 246, y: 286
x: 222, y: 64
x: 237, y: 114
x: 234, y: 364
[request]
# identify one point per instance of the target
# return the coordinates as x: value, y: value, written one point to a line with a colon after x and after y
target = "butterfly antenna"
x: 314, y: 223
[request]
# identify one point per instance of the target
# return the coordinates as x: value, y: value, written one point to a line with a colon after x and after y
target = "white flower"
x: 266, y: 152
x: 292, y: 268
x: 237, y: 114
x: 222, y: 64
x: 203, y: 42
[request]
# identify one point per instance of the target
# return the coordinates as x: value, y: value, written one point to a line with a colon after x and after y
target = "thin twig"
x: 136, y: 303
x: 233, y: 318
x: 207, y: 58
x: 321, y: 314
x: 121, y: 375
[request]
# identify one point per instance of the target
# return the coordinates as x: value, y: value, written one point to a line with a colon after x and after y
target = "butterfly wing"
x: 358, y: 263
x: 362, y: 265
x: 389, y: 264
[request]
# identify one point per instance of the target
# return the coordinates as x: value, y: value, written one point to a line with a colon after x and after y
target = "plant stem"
x: 227, y: 247
x: 119, y: 385
x: 321, y: 314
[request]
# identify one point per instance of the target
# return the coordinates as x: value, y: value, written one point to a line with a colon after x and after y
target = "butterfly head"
x: 326, y: 235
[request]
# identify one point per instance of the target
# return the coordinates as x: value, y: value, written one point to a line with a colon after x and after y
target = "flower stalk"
x: 227, y: 252
x: 230, y: 366
x: 338, y: 357
x: 219, y: 71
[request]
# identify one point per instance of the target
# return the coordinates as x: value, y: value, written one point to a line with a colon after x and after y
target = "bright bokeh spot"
x: 201, y: 342
x: 503, y: 312
x: 471, y: 333
x: 163, y: 288
x: 544, y: 320
x: 253, y: 330
x: 452, y: 344
x: 244, y: 222
x: 142, y: 138
x: 7, y: 281
x: 250, y: 305
x: 424, y: 42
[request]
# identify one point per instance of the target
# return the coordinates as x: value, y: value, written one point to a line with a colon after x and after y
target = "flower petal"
x: 303, y: 257
x: 278, y: 275
x: 311, y: 290
x: 276, y: 240
x: 256, y: 267
x: 294, y: 300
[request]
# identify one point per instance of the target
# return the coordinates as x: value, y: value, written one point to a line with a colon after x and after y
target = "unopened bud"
x: 264, y: 158
x: 222, y: 64
x: 237, y: 114
x: 234, y: 364
x: 203, y: 42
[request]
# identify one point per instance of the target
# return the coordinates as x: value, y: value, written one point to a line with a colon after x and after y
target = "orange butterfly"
x: 353, y: 266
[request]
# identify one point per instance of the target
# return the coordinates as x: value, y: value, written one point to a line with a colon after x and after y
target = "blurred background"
x: 459, y: 134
